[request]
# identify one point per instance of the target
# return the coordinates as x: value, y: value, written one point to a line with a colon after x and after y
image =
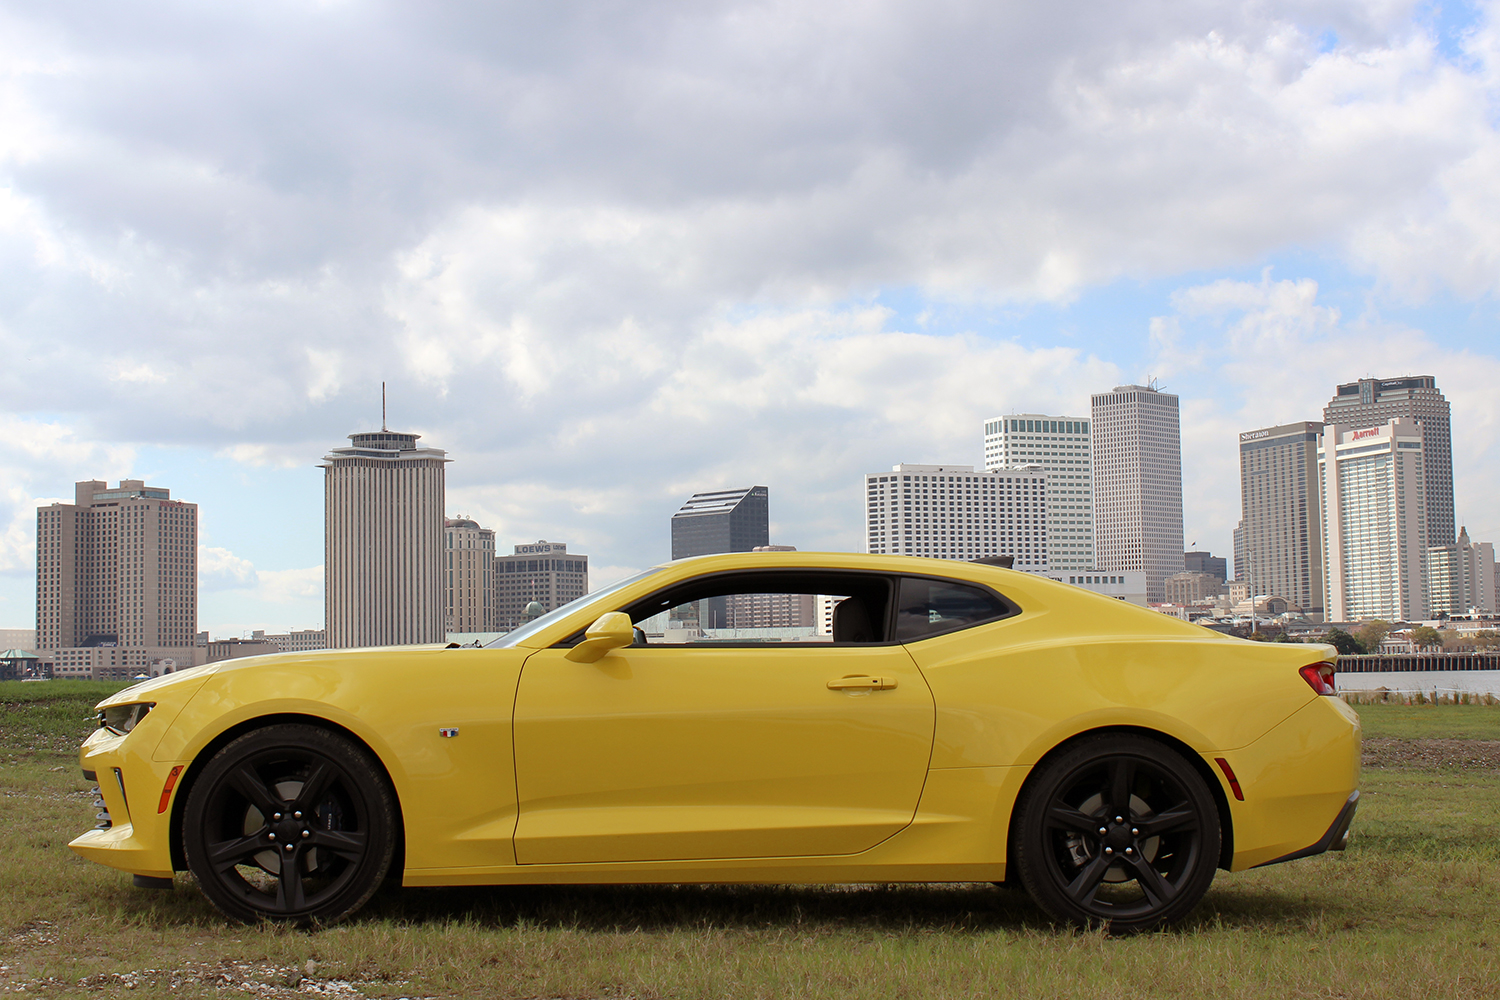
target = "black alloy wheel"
x: 290, y: 823
x: 1118, y: 831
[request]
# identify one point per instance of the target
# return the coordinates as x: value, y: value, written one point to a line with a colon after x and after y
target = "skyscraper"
x: 1060, y: 446
x: 1283, y: 529
x: 1372, y: 402
x: 117, y: 567
x: 383, y: 541
x: 1461, y: 577
x: 724, y: 521
x: 544, y: 572
x: 1374, y: 521
x: 1138, y: 484
x: 953, y: 512
x: 470, y: 585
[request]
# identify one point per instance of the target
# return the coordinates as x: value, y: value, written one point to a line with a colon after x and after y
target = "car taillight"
x: 1319, y: 677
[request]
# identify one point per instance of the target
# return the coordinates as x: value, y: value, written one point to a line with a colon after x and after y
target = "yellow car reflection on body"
x: 752, y: 717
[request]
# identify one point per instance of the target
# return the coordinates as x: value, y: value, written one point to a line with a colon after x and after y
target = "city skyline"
x: 775, y: 248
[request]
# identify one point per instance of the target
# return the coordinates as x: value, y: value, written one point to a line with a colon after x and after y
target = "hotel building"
x: 1373, y: 402
x: 470, y: 575
x: 1374, y: 510
x: 383, y: 542
x: 1281, y: 544
x: 1137, y: 485
x: 1061, y: 447
x: 953, y: 512
x: 118, y: 568
x: 543, y: 572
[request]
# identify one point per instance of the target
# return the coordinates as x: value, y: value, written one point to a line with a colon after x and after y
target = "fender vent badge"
x: 448, y: 734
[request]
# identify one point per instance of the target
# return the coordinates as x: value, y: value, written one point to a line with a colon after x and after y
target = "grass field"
x: 1412, y: 909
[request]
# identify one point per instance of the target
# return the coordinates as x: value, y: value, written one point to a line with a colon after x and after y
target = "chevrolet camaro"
x: 785, y: 717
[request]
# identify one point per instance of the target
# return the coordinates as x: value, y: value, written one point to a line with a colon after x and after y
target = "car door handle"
x: 861, y: 682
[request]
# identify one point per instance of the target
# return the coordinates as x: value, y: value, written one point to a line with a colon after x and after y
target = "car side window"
x: 930, y: 607
x: 767, y: 608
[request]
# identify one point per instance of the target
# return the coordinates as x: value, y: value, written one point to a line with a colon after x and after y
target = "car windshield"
x: 516, y: 636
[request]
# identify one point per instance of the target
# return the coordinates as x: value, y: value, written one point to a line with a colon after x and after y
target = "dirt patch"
x: 1465, y: 755
x: 270, y: 982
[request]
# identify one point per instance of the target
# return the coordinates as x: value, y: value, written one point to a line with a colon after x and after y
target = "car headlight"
x: 121, y: 719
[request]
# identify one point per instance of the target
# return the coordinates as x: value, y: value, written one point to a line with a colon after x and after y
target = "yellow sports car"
x: 752, y: 717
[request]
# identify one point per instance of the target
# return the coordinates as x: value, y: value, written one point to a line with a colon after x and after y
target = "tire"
x: 1158, y: 850
x: 291, y: 824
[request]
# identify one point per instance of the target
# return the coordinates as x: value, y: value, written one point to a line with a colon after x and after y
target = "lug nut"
x: 288, y: 846
x: 1109, y: 850
x: 296, y: 815
x: 1118, y: 819
x: 270, y: 836
x: 1103, y: 831
x: 276, y: 816
x: 306, y: 834
x: 1130, y: 850
x: 1134, y: 832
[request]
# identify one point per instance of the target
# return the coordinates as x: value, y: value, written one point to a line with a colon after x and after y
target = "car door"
x: 691, y: 751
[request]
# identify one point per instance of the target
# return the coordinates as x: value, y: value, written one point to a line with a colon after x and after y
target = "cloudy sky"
x: 608, y: 254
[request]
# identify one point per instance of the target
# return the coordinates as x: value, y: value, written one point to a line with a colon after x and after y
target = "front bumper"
x: 137, y: 838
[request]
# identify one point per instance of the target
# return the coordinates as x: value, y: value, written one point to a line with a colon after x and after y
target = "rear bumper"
x: 1336, y: 839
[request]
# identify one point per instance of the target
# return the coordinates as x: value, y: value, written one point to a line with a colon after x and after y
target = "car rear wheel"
x: 1117, y: 831
x: 290, y: 823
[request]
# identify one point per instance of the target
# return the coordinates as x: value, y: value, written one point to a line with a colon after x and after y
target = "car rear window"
x: 929, y: 607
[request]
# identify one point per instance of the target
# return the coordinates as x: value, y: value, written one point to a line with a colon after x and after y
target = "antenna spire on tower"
x: 382, y: 407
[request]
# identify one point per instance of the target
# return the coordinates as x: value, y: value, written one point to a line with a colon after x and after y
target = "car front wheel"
x: 1117, y: 831
x: 289, y: 823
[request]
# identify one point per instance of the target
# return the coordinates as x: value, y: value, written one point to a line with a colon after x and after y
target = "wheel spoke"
x: 1121, y: 780
x: 348, y: 844
x: 1183, y: 817
x: 228, y: 853
x: 1065, y: 817
x: 1083, y: 887
x: 1157, y: 889
x: 314, y: 785
x: 249, y: 784
x: 289, y: 894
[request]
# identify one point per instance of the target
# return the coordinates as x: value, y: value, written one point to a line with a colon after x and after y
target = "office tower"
x: 1239, y: 550
x: 1192, y: 587
x: 1060, y: 445
x: 1282, y: 545
x: 117, y: 568
x: 470, y: 585
x: 1374, y: 521
x: 953, y: 512
x: 1373, y: 402
x: 543, y: 572
x: 1461, y: 577
x: 1206, y: 562
x: 724, y: 521
x: 1138, y: 484
x: 383, y: 541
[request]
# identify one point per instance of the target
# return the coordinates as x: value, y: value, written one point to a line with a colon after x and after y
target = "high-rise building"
x: 953, y: 512
x: 1461, y: 577
x: 1239, y: 550
x: 1061, y: 447
x: 1138, y: 484
x: 1372, y: 402
x: 1206, y: 562
x: 1282, y: 545
x: 119, y: 568
x: 383, y: 499
x: 1374, y: 515
x: 470, y: 592
x: 723, y: 521
x: 543, y: 572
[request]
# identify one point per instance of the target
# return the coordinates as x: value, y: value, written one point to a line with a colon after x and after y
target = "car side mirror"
x: 609, y: 631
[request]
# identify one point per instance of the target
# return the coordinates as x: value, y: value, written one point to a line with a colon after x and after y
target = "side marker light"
x: 1234, y: 783
x: 166, y: 790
